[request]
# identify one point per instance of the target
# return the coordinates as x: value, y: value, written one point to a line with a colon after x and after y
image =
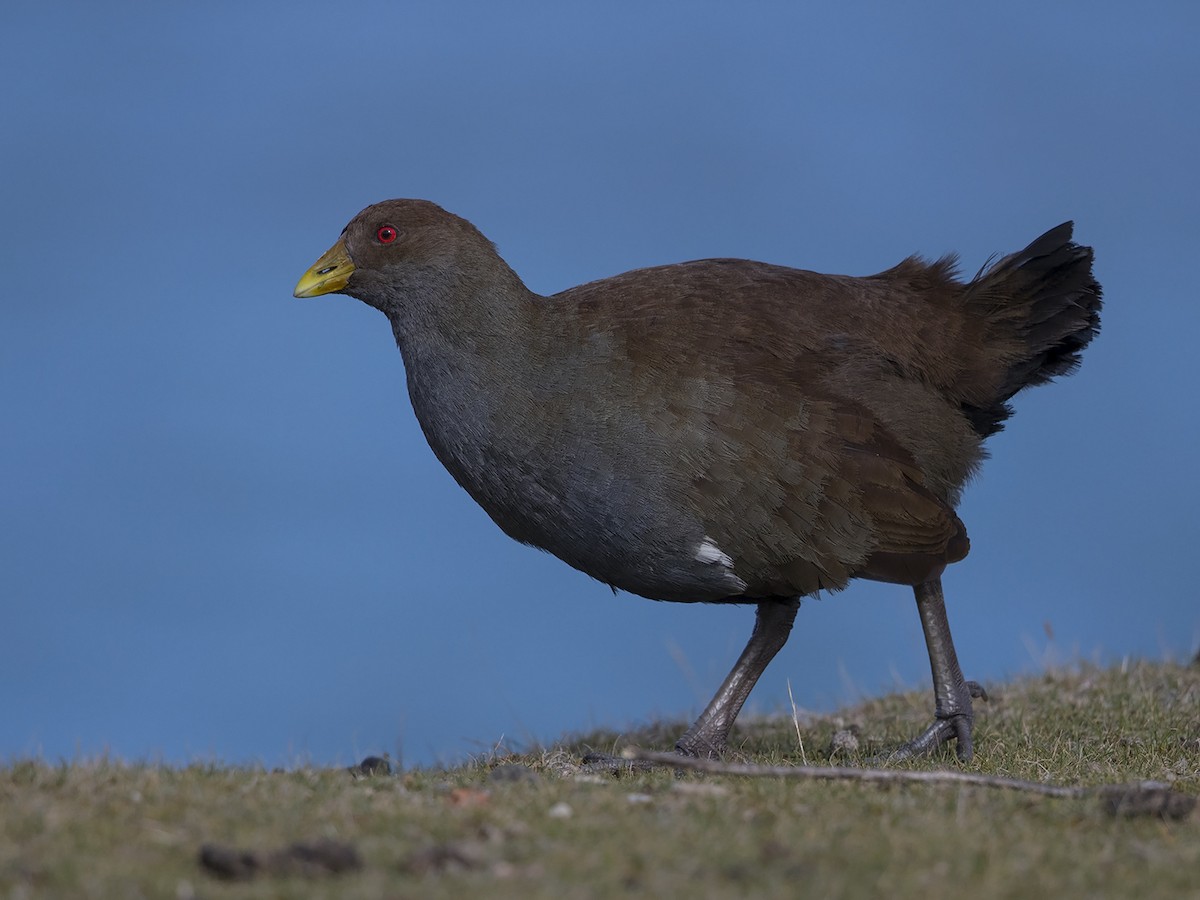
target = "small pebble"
x: 560, y: 811
x: 513, y: 772
x: 586, y: 778
x: 451, y: 856
x: 843, y: 741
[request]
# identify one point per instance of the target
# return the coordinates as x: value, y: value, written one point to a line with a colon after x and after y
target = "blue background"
x: 222, y: 533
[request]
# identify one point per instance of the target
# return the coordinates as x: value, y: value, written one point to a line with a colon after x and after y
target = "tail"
x: 1039, y: 308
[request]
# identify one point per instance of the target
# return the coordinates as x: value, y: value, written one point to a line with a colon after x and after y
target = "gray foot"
x: 700, y: 746
x: 953, y: 723
x: 606, y: 763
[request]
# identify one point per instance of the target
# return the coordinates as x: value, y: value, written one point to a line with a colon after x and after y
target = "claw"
x: 963, y: 745
x: 941, y: 731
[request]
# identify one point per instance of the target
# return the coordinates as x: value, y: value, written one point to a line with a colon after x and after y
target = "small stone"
x: 560, y: 811
x: 513, y: 772
x: 844, y: 741
x: 451, y: 856
x: 588, y: 778
x: 229, y: 863
x: 319, y: 857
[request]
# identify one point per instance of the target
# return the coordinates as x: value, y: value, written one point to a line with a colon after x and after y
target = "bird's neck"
x: 469, y: 346
x: 476, y: 323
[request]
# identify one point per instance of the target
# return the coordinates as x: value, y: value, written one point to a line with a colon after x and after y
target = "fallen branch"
x: 1140, y: 798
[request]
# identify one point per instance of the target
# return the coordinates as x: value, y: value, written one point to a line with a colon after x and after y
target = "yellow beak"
x: 328, y: 275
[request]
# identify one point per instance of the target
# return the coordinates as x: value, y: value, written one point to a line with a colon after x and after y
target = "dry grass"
x: 533, y: 825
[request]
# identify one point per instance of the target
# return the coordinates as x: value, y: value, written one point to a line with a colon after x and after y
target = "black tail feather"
x: 1042, y: 307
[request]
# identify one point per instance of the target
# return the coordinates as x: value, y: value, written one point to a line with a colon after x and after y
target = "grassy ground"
x: 533, y: 825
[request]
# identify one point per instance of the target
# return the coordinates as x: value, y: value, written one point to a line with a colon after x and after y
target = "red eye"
x: 386, y: 234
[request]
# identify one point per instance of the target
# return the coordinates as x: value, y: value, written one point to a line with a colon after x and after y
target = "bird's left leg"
x: 953, y: 715
x: 708, y: 737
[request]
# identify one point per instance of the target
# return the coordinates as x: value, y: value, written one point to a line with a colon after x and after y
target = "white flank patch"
x: 708, y: 552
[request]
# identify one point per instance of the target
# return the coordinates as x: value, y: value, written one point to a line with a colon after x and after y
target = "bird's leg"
x: 953, y: 716
x: 709, y: 736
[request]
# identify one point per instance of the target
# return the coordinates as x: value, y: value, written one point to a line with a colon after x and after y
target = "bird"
x: 724, y: 430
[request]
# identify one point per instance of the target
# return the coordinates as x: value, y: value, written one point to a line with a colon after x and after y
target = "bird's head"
x: 395, y: 249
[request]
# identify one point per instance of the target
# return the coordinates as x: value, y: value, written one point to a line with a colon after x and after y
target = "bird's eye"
x: 386, y: 234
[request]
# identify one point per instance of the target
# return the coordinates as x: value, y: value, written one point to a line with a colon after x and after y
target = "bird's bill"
x: 327, y: 275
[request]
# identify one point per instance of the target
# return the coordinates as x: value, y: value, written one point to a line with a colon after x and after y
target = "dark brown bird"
x: 723, y: 430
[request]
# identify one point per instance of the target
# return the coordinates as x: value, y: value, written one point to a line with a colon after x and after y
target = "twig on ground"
x: 1140, y: 798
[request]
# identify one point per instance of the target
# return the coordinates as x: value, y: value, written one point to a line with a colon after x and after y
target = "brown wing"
x: 844, y: 501
x: 916, y: 534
